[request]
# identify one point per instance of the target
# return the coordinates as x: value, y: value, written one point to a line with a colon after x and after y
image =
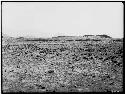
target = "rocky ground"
x: 62, y: 64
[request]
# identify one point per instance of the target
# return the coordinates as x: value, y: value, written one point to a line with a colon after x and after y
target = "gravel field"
x: 62, y: 64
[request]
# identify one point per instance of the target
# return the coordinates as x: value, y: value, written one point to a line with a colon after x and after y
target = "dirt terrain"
x: 62, y: 64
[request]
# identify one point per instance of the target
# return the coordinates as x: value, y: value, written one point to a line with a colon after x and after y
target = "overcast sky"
x: 48, y: 19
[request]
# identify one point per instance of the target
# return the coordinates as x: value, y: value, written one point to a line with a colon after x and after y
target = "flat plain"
x: 62, y: 64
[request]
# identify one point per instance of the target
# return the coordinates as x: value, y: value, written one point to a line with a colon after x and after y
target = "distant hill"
x: 104, y: 36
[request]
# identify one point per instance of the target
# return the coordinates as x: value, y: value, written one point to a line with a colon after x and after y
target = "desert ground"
x: 62, y: 64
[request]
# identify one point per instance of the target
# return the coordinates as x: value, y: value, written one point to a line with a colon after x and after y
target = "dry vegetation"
x: 88, y: 64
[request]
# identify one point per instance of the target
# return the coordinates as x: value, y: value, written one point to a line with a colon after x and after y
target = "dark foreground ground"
x: 60, y: 65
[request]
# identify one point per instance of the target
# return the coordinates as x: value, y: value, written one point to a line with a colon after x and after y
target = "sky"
x: 50, y: 19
